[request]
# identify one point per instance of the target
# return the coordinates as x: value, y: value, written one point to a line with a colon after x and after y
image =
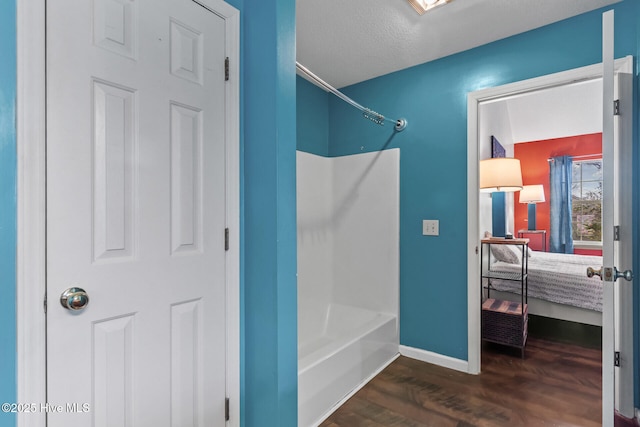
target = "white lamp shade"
x: 500, y: 174
x: 532, y: 194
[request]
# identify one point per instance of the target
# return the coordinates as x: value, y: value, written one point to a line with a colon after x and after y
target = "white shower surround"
x: 348, y: 275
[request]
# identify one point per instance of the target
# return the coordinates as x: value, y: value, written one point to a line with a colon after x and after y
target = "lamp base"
x: 498, y: 217
x: 532, y: 216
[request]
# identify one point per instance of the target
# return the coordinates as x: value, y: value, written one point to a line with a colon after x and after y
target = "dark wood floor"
x: 557, y: 384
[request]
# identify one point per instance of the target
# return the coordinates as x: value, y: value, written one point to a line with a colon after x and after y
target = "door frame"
x: 624, y: 65
x: 31, y: 207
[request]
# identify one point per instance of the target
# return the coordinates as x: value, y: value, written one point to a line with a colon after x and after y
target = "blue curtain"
x: 561, y: 233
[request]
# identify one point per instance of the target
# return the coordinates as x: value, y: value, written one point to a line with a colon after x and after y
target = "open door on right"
x: 617, y: 234
x: 623, y: 243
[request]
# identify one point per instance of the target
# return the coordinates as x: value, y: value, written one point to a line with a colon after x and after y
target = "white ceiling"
x: 558, y: 112
x: 569, y: 110
x: 349, y: 41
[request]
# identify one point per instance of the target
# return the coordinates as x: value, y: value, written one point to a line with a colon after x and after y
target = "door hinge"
x: 226, y: 409
x: 616, y: 107
x: 226, y: 239
x: 616, y: 233
x: 44, y: 305
x: 616, y: 359
x: 226, y: 69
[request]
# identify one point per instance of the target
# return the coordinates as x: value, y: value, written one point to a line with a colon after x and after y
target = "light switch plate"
x: 430, y: 227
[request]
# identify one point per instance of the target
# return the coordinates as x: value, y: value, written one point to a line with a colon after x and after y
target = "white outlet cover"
x: 430, y: 227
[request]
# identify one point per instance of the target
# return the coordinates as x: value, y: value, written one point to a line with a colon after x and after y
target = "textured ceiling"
x: 349, y: 41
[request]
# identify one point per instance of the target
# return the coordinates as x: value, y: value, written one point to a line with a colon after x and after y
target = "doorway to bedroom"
x: 540, y: 129
x: 548, y: 110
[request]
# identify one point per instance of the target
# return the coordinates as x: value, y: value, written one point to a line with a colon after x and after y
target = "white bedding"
x: 560, y: 278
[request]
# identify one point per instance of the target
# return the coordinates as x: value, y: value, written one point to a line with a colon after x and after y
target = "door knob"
x: 74, y: 299
x: 593, y: 272
x: 627, y: 275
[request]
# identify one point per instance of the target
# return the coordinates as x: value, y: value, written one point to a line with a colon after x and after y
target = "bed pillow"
x: 505, y: 253
x: 516, y: 249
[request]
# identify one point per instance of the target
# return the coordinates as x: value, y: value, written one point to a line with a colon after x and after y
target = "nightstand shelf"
x: 504, y: 275
x: 504, y: 322
x: 541, y: 233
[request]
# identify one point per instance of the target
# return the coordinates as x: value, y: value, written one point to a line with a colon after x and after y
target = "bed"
x: 558, y: 286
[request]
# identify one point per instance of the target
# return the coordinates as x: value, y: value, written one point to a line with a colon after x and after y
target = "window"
x: 586, y: 198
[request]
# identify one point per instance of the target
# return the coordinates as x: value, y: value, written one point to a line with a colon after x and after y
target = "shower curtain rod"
x: 378, y: 118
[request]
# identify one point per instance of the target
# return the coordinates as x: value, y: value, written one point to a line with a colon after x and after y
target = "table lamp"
x: 500, y: 174
x: 532, y: 194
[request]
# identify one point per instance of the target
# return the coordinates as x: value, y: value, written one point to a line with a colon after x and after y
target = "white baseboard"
x: 435, y: 358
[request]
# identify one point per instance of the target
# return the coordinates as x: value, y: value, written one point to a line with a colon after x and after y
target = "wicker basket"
x: 504, y: 322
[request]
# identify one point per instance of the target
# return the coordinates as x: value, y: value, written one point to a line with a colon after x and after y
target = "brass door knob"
x: 593, y: 272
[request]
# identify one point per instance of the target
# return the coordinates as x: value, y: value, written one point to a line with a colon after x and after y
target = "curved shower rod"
x: 378, y: 118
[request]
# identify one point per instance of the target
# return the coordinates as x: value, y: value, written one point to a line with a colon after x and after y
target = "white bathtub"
x: 354, y: 344
x: 348, y: 275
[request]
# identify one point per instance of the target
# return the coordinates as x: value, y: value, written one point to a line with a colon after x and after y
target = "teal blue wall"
x: 269, y: 351
x: 312, y: 117
x: 7, y: 208
x: 433, y: 171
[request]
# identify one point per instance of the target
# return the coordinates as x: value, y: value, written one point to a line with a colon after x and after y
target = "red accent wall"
x: 533, y: 157
x: 595, y: 252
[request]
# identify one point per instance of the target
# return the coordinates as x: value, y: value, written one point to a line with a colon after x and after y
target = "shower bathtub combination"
x: 348, y: 275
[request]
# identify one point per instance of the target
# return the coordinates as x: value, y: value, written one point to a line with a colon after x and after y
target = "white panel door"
x: 623, y: 289
x: 608, y: 204
x: 136, y: 213
x: 617, y: 245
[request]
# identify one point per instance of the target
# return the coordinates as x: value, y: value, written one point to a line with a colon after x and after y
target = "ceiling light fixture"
x: 421, y: 6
